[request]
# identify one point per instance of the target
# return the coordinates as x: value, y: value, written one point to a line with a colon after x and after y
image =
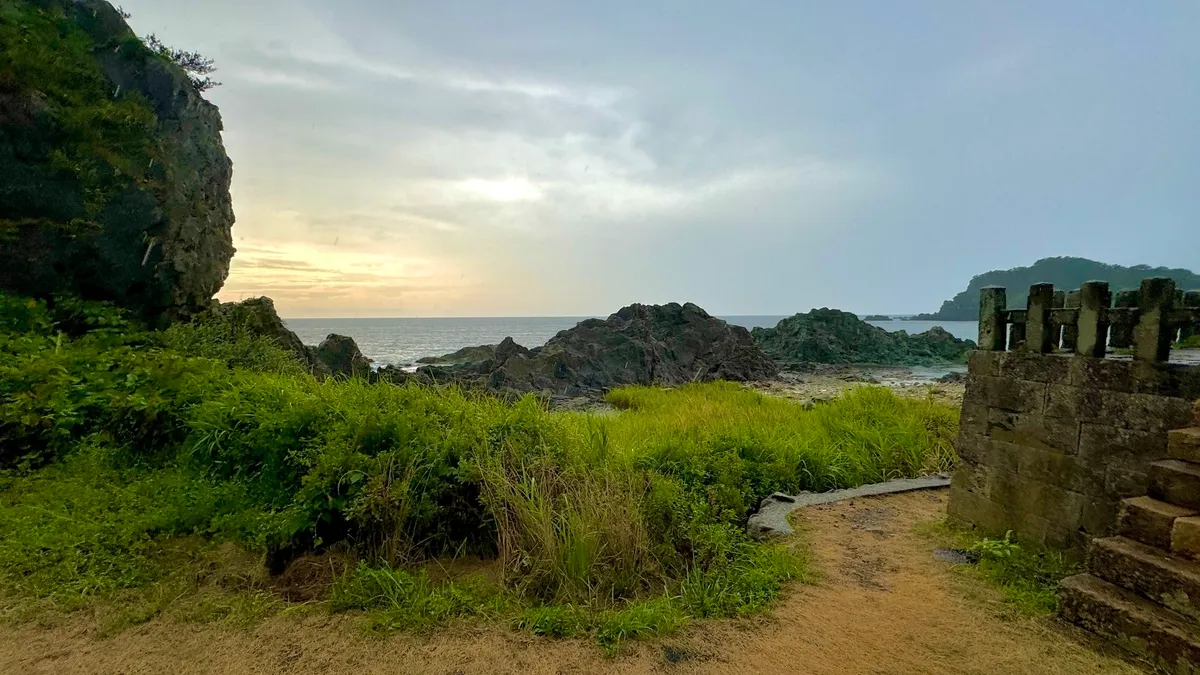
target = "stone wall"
x: 1050, y: 442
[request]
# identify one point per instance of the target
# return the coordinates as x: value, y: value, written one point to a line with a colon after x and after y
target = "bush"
x: 634, y: 520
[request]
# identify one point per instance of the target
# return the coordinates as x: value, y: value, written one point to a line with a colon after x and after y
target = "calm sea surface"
x: 403, y: 341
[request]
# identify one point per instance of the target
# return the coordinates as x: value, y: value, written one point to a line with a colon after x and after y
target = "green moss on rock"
x: 114, y: 183
x: 834, y: 336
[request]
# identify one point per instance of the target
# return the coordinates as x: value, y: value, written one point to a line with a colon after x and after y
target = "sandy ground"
x: 884, y: 605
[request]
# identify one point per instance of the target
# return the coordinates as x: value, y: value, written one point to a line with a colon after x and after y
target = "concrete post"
x: 1037, y: 323
x: 1070, y: 332
x: 1094, y: 299
x: 1152, y: 334
x: 993, y: 302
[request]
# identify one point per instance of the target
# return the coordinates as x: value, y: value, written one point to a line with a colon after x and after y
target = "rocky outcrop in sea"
x: 834, y: 336
x: 641, y: 344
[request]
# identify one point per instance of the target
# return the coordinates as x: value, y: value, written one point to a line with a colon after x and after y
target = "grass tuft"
x: 127, y: 458
x: 1027, y: 576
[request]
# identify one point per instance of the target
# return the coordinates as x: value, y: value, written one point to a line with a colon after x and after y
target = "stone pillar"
x: 1122, y: 336
x: 1037, y: 322
x: 1094, y: 299
x: 1152, y: 334
x: 1191, y: 299
x: 1070, y: 332
x: 993, y: 319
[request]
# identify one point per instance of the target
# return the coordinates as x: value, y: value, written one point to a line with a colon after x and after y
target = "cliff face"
x: 114, y: 182
x: 1064, y: 273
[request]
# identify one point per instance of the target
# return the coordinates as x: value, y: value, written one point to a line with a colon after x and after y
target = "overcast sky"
x: 557, y: 157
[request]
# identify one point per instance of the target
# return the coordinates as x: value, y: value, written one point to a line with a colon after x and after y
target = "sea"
x: 401, y: 342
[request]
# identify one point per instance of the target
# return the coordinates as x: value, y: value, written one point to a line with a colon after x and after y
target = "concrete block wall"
x: 1050, y: 443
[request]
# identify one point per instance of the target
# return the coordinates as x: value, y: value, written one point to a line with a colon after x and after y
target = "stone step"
x: 1150, y: 521
x: 1139, y: 626
x: 1176, y: 482
x: 1185, y: 537
x: 1152, y: 573
x: 1184, y: 444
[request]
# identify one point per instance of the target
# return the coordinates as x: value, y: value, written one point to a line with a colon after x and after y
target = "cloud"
x: 539, y: 158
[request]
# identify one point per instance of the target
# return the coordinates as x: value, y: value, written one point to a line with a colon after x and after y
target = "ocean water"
x: 403, y: 341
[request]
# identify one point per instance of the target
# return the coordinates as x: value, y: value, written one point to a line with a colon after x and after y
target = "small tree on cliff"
x: 198, y: 66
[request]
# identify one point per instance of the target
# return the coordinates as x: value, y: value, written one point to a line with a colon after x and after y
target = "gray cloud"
x: 566, y: 158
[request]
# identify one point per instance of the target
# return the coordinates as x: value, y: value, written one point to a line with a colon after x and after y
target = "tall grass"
x: 210, y: 433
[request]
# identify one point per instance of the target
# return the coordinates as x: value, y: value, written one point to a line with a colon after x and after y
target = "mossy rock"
x: 114, y: 182
x: 833, y: 336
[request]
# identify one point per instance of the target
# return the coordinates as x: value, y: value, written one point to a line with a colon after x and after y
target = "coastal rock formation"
x: 114, y: 182
x: 1063, y: 272
x: 641, y: 344
x: 257, y: 317
x: 474, y: 360
x: 336, y: 355
x: 341, y: 355
x: 834, y: 336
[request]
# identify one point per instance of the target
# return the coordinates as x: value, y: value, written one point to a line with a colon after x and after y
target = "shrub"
x: 611, y: 525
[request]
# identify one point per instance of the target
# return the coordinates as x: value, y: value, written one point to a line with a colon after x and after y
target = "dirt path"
x: 884, y: 606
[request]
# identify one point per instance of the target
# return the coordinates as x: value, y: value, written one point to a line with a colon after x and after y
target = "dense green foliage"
x: 1065, y: 273
x: 834, y: 336
x: 634, y: 520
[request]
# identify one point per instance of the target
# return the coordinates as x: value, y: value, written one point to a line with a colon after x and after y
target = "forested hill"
x: 1065, y: 273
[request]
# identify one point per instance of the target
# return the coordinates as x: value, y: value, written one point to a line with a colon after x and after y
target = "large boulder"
x: 641, y: 344
x: 114, y: 182
x: 833, y: 336
x: 336, y: 355
x: 341, y: 356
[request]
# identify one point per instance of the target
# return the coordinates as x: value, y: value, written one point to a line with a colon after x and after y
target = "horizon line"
x: 567, y: 316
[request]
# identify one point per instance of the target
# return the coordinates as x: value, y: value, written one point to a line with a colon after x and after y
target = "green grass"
x: 1026, y: 576
x: 116, y: 445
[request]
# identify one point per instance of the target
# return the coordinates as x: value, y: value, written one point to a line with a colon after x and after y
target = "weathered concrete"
x: 1050, y: 444
x: 772, y: 517
x: 1150, y: 521
x: 1152, y: 336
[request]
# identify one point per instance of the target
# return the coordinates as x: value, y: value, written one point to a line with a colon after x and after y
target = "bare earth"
x: 884, y: 605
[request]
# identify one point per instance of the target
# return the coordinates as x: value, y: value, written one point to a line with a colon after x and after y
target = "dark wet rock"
x: 641, y: 344
x: 394, y: 375
x: 463, y: 356
x: 834, y: 336
x: 133, y: 207
x: 953, y: 378
x: 341, y: 355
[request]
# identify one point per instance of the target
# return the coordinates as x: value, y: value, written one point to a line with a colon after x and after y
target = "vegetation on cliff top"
x: 1065, y: 273
x: 834, y: 336
x: 128, y: 456
x: 101, y: 139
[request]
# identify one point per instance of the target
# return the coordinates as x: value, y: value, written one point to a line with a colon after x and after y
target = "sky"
x: 549, y: 158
